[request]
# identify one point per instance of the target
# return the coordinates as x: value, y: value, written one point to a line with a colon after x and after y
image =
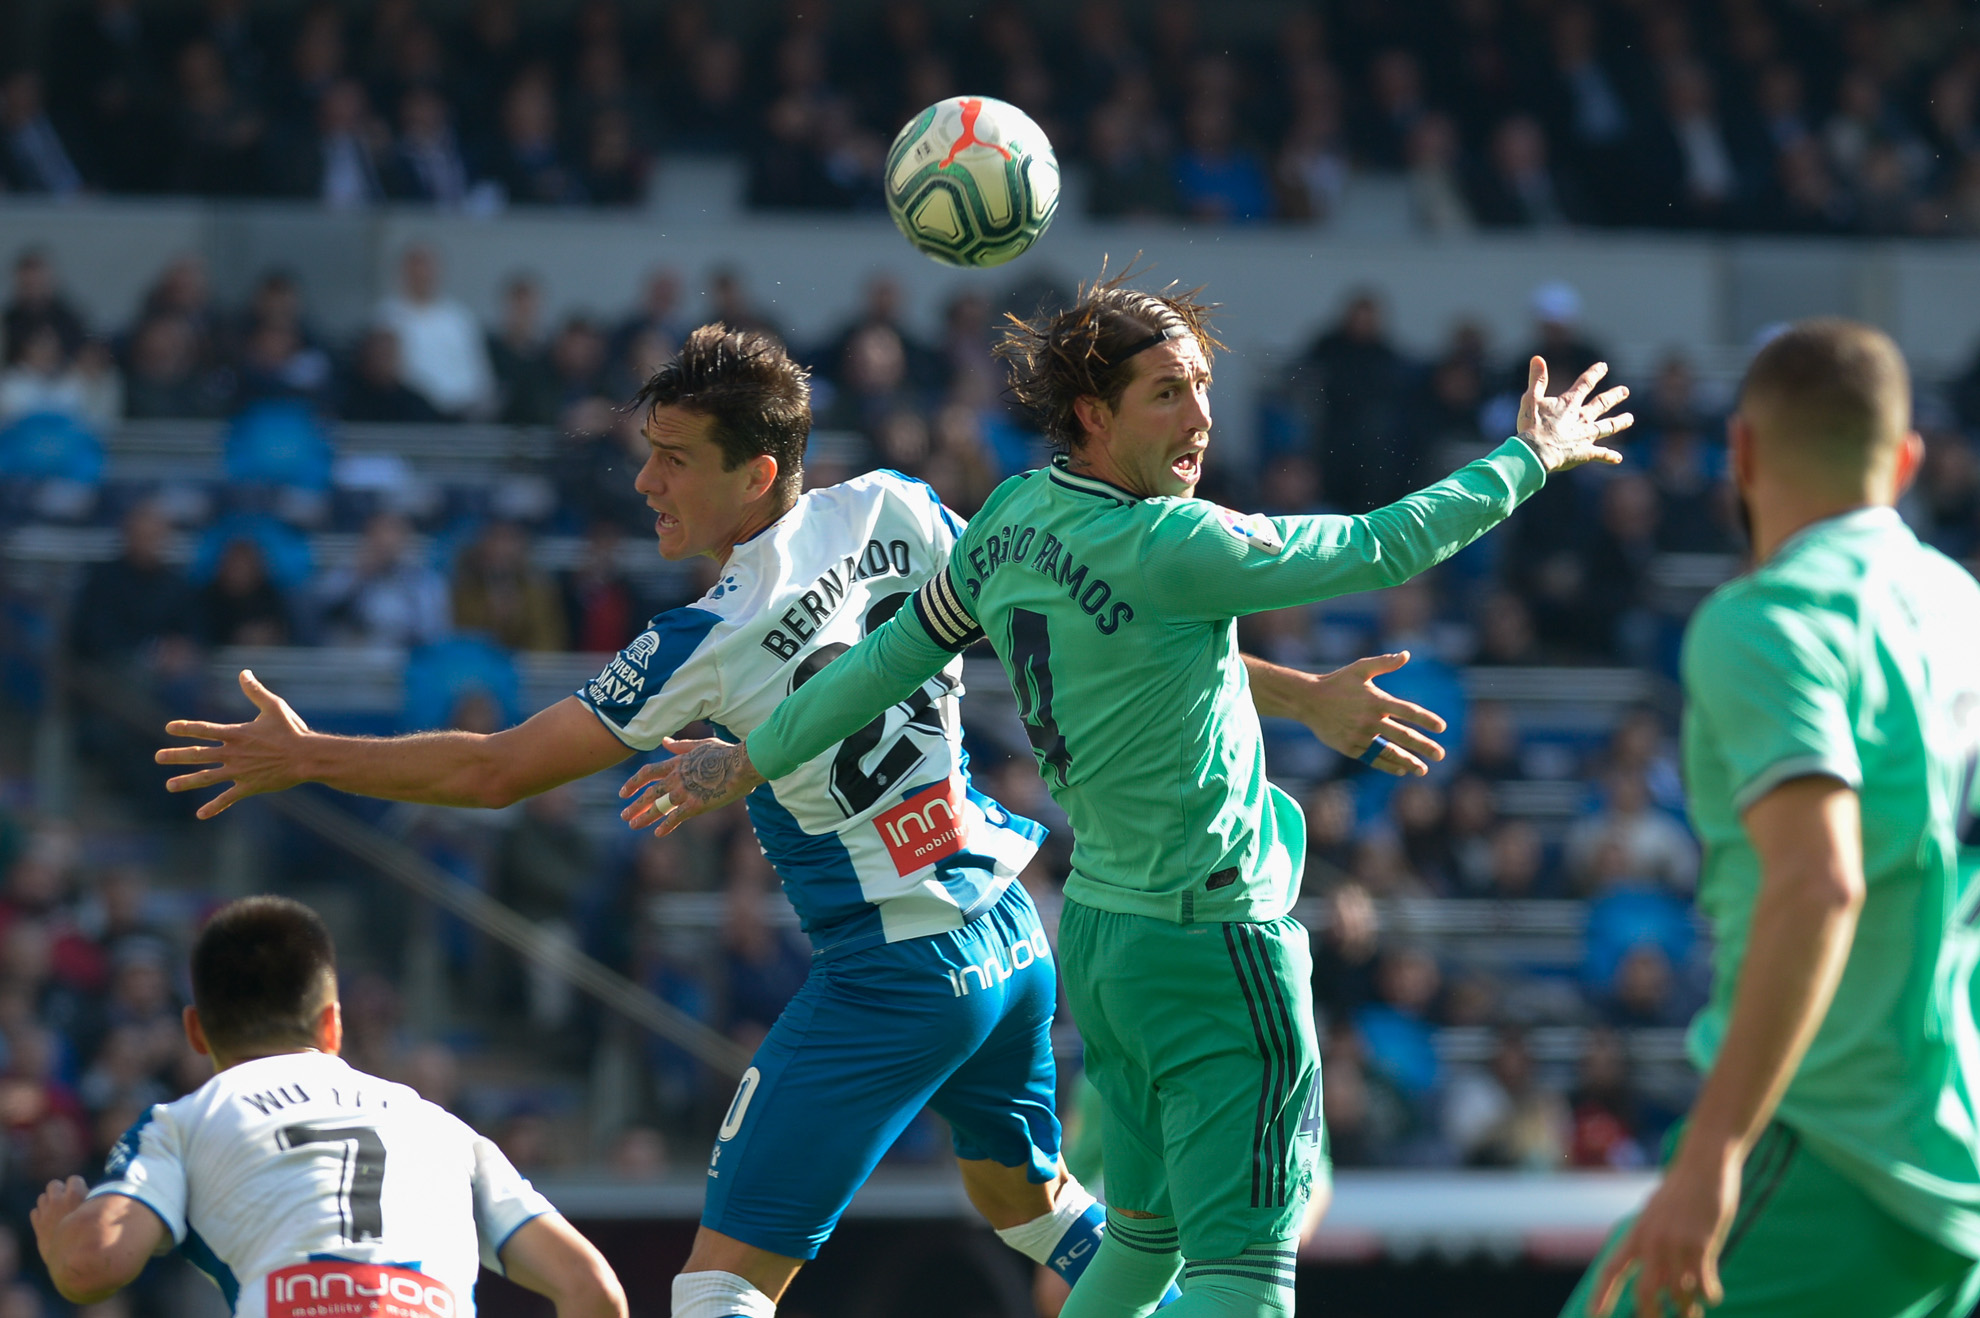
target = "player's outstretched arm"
x: 278, y: 750
x: 1808, y: 833
x: 549, y: 1256
x: 93, y: 1247
x: 1348, y: 712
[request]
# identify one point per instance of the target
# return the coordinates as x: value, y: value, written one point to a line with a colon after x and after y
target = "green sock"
x: 1256, y: 1284
x: 1130, y: 1272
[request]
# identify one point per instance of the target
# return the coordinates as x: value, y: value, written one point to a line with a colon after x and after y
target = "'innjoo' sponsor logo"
x: 356, y: 1290
x: 925, y: 827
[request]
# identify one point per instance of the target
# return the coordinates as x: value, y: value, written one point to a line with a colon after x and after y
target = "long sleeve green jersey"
x: 1115, y: 619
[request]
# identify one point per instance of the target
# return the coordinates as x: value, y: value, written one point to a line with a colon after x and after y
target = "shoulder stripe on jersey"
x: 943, y: 614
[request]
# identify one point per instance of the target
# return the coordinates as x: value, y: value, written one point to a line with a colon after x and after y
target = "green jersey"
x: 1114, y: 618
x: 1854, y: 653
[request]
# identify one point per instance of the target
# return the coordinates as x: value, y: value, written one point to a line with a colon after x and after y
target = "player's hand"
x: 1673, y: 1247
x: 702, y: 776
x: 56, y: 1202
x: 1564, y: 431
x: 1347, y: 711
x: 257, y: 757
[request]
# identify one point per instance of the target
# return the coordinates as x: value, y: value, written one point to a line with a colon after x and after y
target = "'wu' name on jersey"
x: 1054, y: 561
x: 294, y: 1095
x: 803, y: 619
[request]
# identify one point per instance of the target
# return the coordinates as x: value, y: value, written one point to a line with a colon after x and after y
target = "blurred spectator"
x: 1216, y: 179
x: 529, y: 163
x: 763, y: 965
x: 1344, y: 951
x: 385, y: 595
x: 35, y: 159
x: 1690, y: 166
x: 515, y: 352
x: 1655, y: 848
x: 615, y: 169
x: 1518, y: 863
x: 106, y: 82
x: 1502, y: 1116
x: 658, y: 313
x: 1312, y: 168
x: 959, y: 465
x: 1436, y: 194
x: 443, y: 357
x: 601, y: 608
x: 1358, y: 380
x: 1558, y: 337
x: 498, y: 591
x: 1131, y: 173
x: 1519, y: 189
x: 1644, y: 993
x: 163, y: 376
x: 276, y: 363
x: 1398, y: 1028
x: 377, y: 390
x: 1604, y: 1108
x: 577, y: 360
x: 41, y: 379
x: 219, y: 133
x: 430, y: 165
x: 35, y: 301
x: 543, y: 866
x: 241, y: 605
x: 136, y: 599
x: 344, y: 160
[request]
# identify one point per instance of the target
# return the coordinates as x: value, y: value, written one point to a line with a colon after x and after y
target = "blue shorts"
x: 961, y: 1022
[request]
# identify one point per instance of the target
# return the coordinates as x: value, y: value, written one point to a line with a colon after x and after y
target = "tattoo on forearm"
x: 708, y: 772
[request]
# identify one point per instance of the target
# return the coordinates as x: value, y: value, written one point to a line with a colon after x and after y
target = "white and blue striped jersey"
x: 881, y: 838
x: 307, y: 1189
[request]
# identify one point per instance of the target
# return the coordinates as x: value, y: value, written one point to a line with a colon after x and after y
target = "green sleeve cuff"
x: 1520, y: 465
x: 847, y: 694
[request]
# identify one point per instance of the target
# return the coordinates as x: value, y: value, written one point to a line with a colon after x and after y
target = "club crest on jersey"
x: 643, y: 648
x: 1252, y: 528
x: 337, y: 1289
x: 924, y: 828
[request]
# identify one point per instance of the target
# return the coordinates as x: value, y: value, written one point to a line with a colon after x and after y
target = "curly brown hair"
x: 1088, y: 350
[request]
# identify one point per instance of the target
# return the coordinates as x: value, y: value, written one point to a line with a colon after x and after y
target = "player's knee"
x: 719, y: 1295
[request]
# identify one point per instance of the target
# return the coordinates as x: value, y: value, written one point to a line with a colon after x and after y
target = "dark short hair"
x: 743, y: 380
x: 1837, y: 389
x: 260, y: 972
x: 1058, y: 358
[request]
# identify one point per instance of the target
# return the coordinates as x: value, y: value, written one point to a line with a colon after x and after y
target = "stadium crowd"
x: 1730, y: 115
x: 92, y: 928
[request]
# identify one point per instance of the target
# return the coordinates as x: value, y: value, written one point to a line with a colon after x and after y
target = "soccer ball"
x: 972, y: 181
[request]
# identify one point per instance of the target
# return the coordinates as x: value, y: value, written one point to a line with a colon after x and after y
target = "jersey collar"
x: 1063, y: 474
x: 1866, y: 518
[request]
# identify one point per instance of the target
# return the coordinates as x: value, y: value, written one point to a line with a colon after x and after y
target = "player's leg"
x: 1220, y: 1018
x: 999, y: 1102
x: 1139, y: 1257
x: 1808, y: 1243
x: 856, y: 1054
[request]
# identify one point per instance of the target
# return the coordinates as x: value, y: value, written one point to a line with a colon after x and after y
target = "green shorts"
x: 1200, y: 1039
x: 1807, y: 1243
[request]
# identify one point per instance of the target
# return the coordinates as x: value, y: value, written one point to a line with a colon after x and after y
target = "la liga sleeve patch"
x: 1255, y: 529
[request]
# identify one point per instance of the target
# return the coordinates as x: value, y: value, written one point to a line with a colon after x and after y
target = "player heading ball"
x: 293, y: 1180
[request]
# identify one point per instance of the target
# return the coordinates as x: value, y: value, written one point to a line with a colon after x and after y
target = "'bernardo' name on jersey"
x: 1052, y: 559
x: 817, y: 605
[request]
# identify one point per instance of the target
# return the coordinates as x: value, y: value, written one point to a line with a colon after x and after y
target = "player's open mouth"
x: 663, y: 523
x: 1189, y: 467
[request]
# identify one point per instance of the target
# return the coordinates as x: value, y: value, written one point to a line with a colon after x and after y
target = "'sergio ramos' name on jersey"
x: 1052, y: 559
